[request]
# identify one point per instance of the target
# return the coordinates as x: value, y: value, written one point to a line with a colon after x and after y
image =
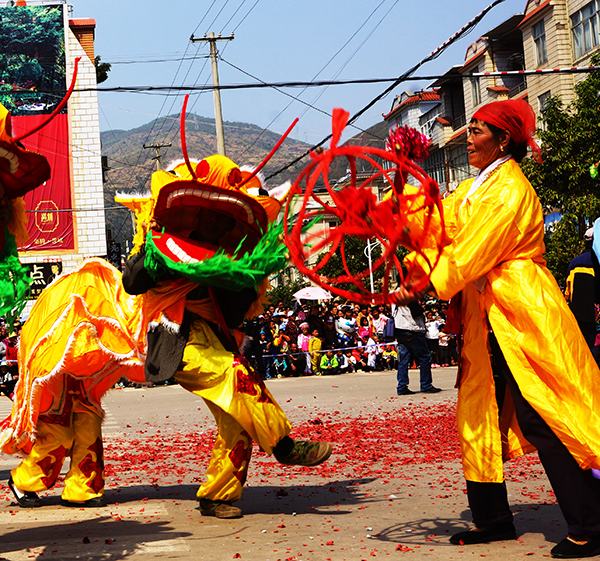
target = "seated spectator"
x: 343, y: 364
x: 329, y: 363
x: 378, y: 352
x: 360, y: 360
x: 389, y: 358
x: 295, y: 361
x: 352, y: 364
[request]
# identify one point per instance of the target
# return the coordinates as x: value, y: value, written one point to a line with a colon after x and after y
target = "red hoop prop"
x: 411, y: 219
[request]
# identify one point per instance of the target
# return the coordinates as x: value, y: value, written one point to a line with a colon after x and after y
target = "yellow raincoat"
x: 496, y: 259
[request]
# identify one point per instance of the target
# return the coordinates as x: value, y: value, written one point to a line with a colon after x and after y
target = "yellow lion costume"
x: 202, y: 248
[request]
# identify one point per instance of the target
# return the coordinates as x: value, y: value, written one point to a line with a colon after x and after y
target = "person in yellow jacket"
x: 527, y: 379
x: 203, y: 220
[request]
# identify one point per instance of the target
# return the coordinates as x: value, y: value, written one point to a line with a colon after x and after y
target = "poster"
x: 32, y: 84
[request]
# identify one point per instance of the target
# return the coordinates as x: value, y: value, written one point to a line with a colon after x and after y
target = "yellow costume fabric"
x: 496, y: 259
x: 80, y: 438
x: 243, y: 408
x: 83, y: 334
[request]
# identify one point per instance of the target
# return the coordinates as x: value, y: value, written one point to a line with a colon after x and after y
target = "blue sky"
x: 275, y: 40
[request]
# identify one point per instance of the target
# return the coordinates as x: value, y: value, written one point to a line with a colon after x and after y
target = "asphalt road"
x: 392, y: 488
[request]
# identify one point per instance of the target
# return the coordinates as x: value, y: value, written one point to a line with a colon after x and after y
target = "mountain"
x: 130, y: 166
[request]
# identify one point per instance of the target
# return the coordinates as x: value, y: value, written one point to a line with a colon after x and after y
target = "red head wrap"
x: 514, y: 116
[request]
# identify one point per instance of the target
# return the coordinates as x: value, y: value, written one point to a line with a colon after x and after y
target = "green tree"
x: 357, y: 261
x: 570, y: 144
x: 285, y: 289
x: 102, y: 69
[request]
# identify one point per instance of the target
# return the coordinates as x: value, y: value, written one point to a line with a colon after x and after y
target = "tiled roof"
x: 415, y: 98
x: 498, y: 89
x: 82, y: 22
x: 534, y: 12
x: 444, y: 121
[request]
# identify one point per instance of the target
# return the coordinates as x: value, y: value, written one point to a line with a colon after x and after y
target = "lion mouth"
x: 210, y: 196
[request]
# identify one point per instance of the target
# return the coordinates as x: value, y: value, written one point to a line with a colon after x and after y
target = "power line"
x: 320, y: 83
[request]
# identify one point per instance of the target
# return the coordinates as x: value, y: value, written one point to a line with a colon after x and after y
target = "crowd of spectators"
x: 331, y: 338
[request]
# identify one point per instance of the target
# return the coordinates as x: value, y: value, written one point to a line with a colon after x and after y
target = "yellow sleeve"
x: 492, y: 224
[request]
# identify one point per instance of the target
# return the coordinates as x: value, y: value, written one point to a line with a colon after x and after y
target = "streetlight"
x: 367, y: 253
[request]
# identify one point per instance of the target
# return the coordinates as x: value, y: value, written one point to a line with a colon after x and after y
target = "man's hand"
x: 405, y: 295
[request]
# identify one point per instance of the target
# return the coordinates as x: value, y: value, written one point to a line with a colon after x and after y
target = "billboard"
x: 32, y: 84
x: 32, y: 58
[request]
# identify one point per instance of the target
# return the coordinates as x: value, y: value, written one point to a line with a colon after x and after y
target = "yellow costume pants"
x: 74, y: 434
x: 243, y: 408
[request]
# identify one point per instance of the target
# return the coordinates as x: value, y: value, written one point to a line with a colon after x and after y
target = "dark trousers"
x: 577, y: 491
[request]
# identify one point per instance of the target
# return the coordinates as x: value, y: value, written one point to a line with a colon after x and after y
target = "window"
x: 585, y: 29
x: 539, y: 39
x: 542, y: 102
x: 475, y: 91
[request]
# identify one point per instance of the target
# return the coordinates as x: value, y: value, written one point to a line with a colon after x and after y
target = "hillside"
x: 131, y: 167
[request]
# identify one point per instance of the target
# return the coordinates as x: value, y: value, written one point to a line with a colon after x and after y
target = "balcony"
x: 521, y: 87
x: 459, y: 122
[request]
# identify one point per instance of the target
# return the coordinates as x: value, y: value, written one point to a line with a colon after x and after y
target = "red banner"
x: 50, y: 219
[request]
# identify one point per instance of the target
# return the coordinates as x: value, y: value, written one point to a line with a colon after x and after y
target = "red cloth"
x: 514, y: 116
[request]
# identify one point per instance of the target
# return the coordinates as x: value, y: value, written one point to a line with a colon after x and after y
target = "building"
x: 548, y: 34
x: 66, y: 215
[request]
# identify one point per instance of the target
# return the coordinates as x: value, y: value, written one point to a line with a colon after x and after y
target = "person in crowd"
x: 528, y: 379
x: 343, y: 363
x: 295, y: 361
x: 304, y: 343
x: 445, y: 357
x: 265, y: 348
x: 432, y: 334
x: 329, y: 335
x: 314, y: 348
x: 410, y: 335
x: 329, y: 363
x: 378, y: 321
x: 581, y: 291
x: 389, y: 357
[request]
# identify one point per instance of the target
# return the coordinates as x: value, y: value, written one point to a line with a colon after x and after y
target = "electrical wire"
x: 465, y: 30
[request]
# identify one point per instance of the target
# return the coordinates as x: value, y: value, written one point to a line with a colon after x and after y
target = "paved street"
x: 392, y: 488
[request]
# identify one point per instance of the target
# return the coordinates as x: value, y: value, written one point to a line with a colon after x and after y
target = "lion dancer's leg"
x: 40, y: 469
x: 244, y: 409
x: 79, y: 436
x: 84, y: 483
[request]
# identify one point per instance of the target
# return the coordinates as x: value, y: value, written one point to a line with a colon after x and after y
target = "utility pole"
x: 158, y: 156
x: 212, y: 40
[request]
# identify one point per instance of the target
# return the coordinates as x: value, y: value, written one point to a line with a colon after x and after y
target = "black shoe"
x: 493, y: 533
x: 432, y: 389
x: 96, y: 502
x: 305, y: 453
x: 567, y: 549
x: 219, y: 509
x: 406, y: 391
x: 28, y: 499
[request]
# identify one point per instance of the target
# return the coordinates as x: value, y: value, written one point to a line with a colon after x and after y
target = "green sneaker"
x: 306, y: 453
x: 219, y: 509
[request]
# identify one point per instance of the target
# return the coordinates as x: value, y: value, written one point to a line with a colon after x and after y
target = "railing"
x: 459, y: 122
x: 518, y: 88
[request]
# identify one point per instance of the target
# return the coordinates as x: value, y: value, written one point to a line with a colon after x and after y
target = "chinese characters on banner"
x: 50, y: 220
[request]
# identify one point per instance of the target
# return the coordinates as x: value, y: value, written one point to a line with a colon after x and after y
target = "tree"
x: 102, y: 69
x: 357, y: 261
x: 285, y: 289
x: 570, y: 144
